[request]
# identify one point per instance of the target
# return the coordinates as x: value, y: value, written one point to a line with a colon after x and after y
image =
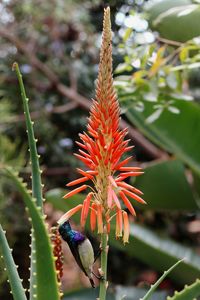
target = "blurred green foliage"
x: 157, y: 68
x: 175, y: 20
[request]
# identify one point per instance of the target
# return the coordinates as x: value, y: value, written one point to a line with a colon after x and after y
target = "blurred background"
x: 156, y: 61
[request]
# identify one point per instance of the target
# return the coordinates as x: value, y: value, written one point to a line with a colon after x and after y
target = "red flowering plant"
x: 101, y: 150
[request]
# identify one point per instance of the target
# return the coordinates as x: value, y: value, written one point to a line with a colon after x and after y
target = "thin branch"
x: 72, y: 77
x: 169, y: 42
x: 44, y: 112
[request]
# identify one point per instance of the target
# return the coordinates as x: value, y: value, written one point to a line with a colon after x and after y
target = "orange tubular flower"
x: 101, y: 150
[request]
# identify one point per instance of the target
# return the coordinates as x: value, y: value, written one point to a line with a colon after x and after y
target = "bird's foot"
x: 100, y: 276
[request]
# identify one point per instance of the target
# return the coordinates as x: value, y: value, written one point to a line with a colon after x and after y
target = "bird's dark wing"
x: 74, y: 250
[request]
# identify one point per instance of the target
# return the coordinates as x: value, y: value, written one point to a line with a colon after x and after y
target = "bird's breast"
x: 86, y: 254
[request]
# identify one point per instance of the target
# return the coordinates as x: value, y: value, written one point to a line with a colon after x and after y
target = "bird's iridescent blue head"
x: 68, y: 234
x: 64, y: 228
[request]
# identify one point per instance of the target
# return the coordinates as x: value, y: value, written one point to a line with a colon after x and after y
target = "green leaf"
x: 47, y: 286
x: 154, y: 116
x: 154, y: 9
x: 36, y: 173
x: 35, y: 170
x: 189, y: 292
x: 14, y: 280
x: 179, y: 23
x: 156, y: 284
x: 196, y: 182
x: 160, y: 253
x: 127, y: 34
x: 173, y: 132
x: 165, y: 186
x: 184, y: 53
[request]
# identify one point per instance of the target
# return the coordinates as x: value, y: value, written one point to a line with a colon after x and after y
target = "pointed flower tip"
x: 106, y: 21
x: 75, y: 191
x: 107, y: 12
x: 107, y: 34
x: 107, y: 9
x: 70, y: 213
x: 101, y: 150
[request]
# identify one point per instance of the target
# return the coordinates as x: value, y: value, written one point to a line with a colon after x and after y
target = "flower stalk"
x: 101, y: 151
x: 103, y: 269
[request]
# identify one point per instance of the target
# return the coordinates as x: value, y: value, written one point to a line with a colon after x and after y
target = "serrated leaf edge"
x: 37, y: 220
x: 17, y: 288
x: 178, y: 295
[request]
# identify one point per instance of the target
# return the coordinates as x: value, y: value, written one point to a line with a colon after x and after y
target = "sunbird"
x: 80, y: 247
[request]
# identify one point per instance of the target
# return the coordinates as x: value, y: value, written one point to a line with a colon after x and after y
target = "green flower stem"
x: 104, y: 259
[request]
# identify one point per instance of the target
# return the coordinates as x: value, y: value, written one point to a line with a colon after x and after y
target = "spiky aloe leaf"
x: 46, y: 283
x: 36, y: 173
x: 13, y: 276
x: 156, y: 284
x: 35, y: 170
x: 189, y: 292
